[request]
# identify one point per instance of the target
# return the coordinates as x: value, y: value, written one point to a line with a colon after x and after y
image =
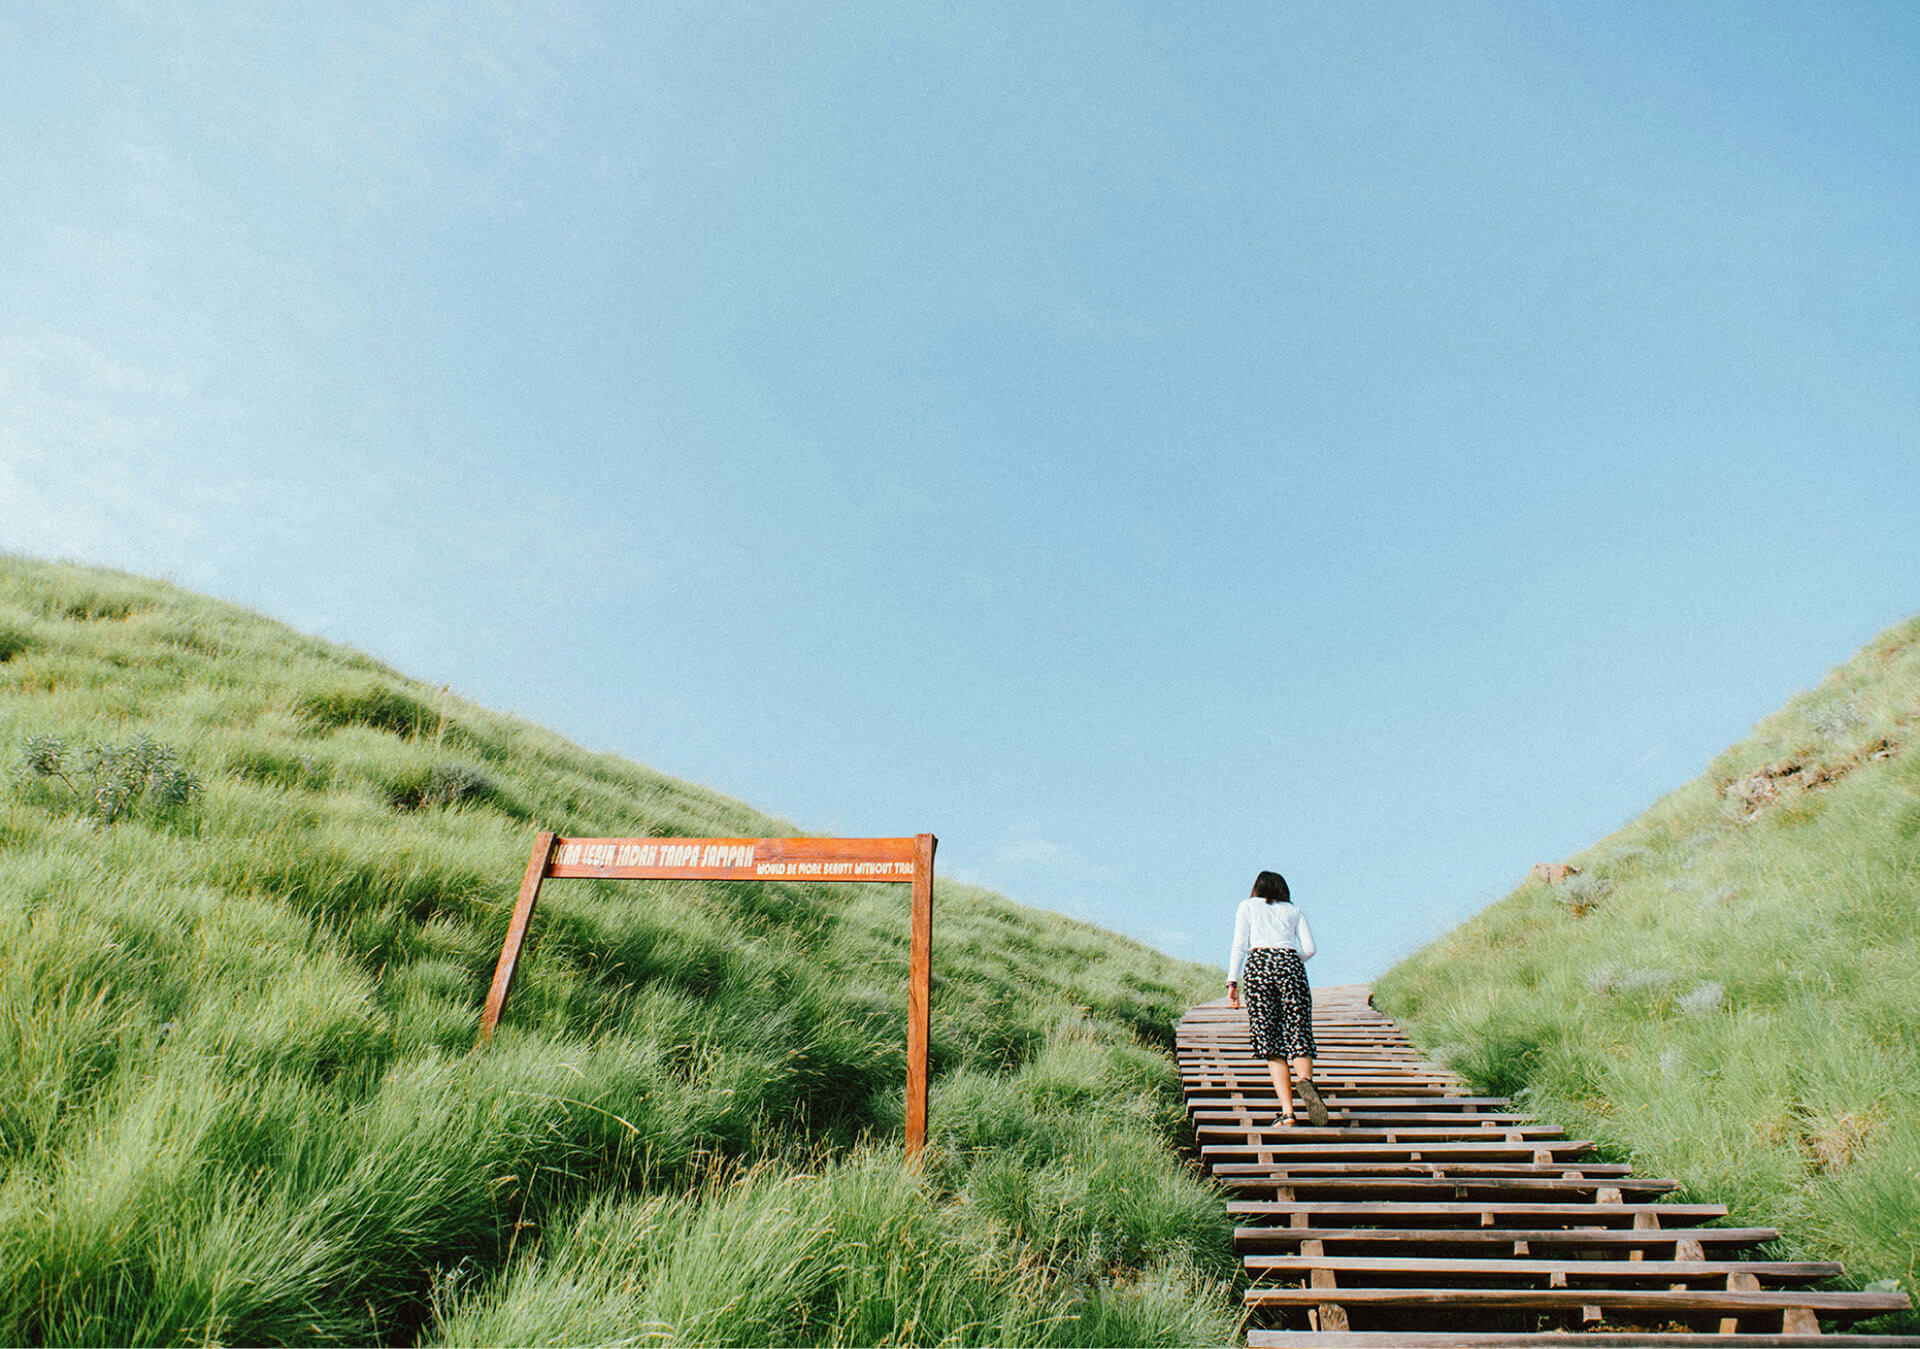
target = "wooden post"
x: 516, y: 934
x: 919, y: 992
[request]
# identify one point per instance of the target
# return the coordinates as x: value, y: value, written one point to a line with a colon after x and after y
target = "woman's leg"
x: 1316, y: 1108
x: 1282, y: 1084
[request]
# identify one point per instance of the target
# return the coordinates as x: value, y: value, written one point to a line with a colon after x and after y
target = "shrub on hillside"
x: 1582, y: 894
x: 13, y: 642
x: 109, y: 781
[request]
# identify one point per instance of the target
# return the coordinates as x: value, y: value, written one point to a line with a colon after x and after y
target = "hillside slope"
x: 245, y: 958
x: 1729, y: 990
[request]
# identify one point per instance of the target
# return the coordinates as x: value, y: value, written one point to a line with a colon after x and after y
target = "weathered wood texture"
x: 1425, y: 1215
x: 839, y: 860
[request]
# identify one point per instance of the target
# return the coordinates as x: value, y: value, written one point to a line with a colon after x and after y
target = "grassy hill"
x: 1729, y: 991
x: 252, y: 886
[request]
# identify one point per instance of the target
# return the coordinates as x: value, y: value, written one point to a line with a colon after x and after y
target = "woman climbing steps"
x: 1271, y: 945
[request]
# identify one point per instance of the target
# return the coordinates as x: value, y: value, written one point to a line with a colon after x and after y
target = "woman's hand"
x: 1233, y: 994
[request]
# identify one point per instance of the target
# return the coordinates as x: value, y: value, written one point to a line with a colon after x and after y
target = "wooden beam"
x: 919, y: 992
x: 509, y: 961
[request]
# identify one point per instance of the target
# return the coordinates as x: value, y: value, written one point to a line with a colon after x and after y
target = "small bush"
x: 13, y: 642
x: 112, y: 779
x: 1582, y: 894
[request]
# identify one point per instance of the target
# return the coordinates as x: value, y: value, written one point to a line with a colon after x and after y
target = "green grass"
x: 239, y: 1102
x: 1736, y: 1003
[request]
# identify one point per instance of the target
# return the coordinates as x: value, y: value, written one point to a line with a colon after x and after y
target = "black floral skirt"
x: 1279, y: 1003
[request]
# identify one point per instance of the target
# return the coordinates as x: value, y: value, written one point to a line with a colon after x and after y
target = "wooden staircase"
x: 1424, y: 1215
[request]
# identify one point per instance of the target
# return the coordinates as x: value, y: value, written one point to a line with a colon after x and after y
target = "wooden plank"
x: 1592, y: 1215
x: 1469, y: 1238
x: 1423, y: 1101
x: 509, y: 963
x: 1371, y: 1133
x: 1379, y: 1121
x: 1450, y: 1339
x: 875, y: 860
x: 1788, y: 1271
x: 1850, y: 1306
x: 1321, y: 1147
x: 919, y: 992
x: 1286, y: 1173
x: 1462, y: 1186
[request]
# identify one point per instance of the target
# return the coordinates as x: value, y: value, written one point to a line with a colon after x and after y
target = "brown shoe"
x: 1316, y: 1108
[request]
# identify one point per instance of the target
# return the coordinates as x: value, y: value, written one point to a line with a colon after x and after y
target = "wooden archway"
x: 854, y: 860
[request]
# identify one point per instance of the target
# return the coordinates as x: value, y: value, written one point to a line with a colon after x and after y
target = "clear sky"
x: 1142, y: 444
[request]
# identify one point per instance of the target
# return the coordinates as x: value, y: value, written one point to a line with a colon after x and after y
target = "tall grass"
x: 238, y: 1101
x: 1736, y: 1005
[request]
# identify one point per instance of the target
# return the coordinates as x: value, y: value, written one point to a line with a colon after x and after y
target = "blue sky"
x: 1141, y: 444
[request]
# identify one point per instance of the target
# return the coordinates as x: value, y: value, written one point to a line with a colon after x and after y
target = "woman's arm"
x: 1242, y: 943
x: 1305, y: 937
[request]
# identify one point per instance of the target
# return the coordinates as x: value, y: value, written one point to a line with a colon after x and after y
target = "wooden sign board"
x: 869, y: 860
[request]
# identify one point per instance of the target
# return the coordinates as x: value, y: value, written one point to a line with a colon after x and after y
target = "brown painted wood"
x: 509, y: 962
x: 837, y: 860
x: 1783, y: 1271
x: 1520, y: 1339
x: 1498, y: 1242
x: 1689, y: 1302
x: 1324, y: 1149
x: 919, y: 992
x: 870, y: 860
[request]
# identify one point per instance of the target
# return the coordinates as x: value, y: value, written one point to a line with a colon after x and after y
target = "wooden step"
x: 1585, y: 1215
x: 1459, y: 1187
x: 1383, y: 1120
x: 1660, y: 1271
x: 1497, y: 1242
x: 1417, y: 1339
x: 1658, y: 1301
x: 1572, y: 1168
x: 1427, y: 1101
x: 1379, y: 1133
x: 1330, y: 1148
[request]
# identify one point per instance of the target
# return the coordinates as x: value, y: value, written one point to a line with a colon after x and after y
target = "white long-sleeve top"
x: 1262, y: 924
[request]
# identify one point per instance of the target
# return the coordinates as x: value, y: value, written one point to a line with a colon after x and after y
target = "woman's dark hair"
x: 1272, y: 887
